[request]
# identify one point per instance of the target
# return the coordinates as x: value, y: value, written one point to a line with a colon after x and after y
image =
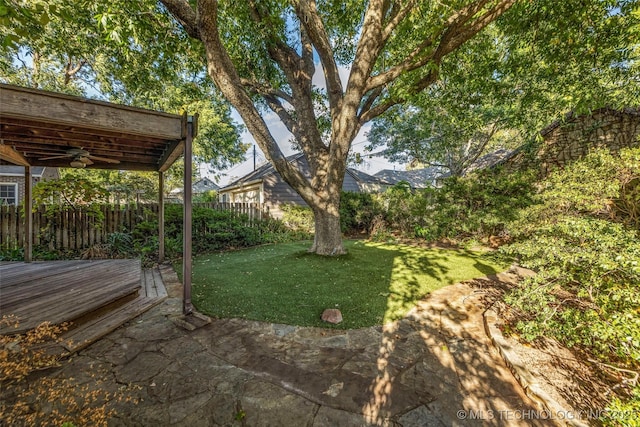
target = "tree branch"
x: 264, y: 89
x: 295, y: 68
x: 222, y: 70
x: 379, y: 109
x: 184, y: 14
x: 70, y: 70
x: 276, y: 106
x: 309, y: 17
x: 396, y: 17
x: 371, y: 98
x: 454, y: 33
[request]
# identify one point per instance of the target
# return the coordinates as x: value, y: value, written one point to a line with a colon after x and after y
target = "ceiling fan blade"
x: 59, y: 156
x: 87, y: 161
x: 46, y: 153
x: 104, y: 159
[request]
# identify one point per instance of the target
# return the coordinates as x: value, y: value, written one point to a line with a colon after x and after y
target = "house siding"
x: 47, y: 173
x: 276, y: 192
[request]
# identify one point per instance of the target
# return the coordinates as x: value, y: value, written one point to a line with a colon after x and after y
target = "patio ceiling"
x: 39, y: 128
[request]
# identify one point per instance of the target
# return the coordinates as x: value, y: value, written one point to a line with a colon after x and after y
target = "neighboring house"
x: 417, y: 178
x: 12, y: 181
x: 265, y: 186
x: 201, y: 186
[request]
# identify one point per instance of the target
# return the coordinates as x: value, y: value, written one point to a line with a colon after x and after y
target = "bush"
x: 587, y: 255
x: 475, y: 207
x: 357, y: 211
x: 299, y: 218
x: 213, y: 230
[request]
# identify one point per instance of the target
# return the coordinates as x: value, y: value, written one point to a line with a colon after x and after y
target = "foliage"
x: 59, y: 45
x: 457, y: 119
x: 213, y: 230
x: 27, y: 398
x: 476, y: 206
x: 371, y: 285
x: 119, y: 244
x: 209, y: 196
x: 587, y: 255
x: 508, y: 82
x: 9, y: 251
x: 624, y: 413
x: 357, y: 212
x: 70, y: 193
x: 297, y: 217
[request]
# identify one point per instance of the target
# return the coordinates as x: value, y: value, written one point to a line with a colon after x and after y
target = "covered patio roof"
x: 40, y: 128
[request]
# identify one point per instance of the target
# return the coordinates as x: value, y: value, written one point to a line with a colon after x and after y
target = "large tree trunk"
x: 328, y: 234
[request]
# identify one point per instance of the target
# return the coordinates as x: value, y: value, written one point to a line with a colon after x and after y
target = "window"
x: 8, y: 194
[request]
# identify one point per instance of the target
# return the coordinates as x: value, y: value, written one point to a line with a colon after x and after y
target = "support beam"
x: 10, y: 155
x: 187, y: 230
x: 28, y: 215
x: 161, y: 217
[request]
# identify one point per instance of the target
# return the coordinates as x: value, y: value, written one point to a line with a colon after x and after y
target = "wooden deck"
x: 95, y: 296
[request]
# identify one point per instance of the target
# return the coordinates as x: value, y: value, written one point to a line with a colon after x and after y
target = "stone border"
x: 522, y: 374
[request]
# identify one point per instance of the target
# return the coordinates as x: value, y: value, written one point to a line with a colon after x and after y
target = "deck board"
x: 88, y: 333
x: 61, y: 291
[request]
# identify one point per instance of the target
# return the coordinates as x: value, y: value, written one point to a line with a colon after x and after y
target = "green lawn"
x: 373, y: 284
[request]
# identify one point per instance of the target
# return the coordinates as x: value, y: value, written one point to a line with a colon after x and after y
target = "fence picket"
x: 77, y: 230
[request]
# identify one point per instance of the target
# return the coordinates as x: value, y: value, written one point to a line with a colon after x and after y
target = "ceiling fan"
x: 80, y: 158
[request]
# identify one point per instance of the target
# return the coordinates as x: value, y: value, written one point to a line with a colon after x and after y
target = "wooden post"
x: 28, y: 216
x: 187, y: 220
x: 161, y: 217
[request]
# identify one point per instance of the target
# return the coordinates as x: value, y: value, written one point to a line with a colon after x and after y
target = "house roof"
x: 10, y: 170
x: 259, y: 173
x: 203, y: 185
x: 268, y: 169
x: 40, y: 128
x: 365, y: 178
x: 417, y: 178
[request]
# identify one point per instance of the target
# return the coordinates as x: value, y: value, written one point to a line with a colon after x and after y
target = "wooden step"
x: 64, y: 291
x: 152, y: 284
x: 89, y: 332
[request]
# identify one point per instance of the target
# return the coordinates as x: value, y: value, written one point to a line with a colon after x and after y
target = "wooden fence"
x: 78, y: 229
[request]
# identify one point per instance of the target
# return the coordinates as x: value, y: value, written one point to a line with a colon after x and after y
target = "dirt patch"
x: 579, y: 385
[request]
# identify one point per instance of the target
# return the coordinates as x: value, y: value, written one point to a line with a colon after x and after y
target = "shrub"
x: 213, y: 230
x: 299, y: 218
x: 357, y: 211
x: 587, y: 254
x: 477, y: 206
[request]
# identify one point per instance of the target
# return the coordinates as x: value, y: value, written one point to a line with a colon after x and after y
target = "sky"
x: 371, y: 165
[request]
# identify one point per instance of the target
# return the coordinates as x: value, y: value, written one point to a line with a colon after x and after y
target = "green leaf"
x: 44, y: 19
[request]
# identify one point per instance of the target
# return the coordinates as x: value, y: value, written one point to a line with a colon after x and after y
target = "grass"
x: 371, y: 285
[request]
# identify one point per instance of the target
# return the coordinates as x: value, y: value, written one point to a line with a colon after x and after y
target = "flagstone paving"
x: 436, y: 367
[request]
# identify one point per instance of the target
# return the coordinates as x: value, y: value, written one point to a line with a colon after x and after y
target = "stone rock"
x: 332, y: 315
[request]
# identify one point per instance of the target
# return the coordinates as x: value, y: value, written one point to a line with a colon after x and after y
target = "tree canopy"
x: 532, y: 66
x: 62, y: 46
x: 325, y: 68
